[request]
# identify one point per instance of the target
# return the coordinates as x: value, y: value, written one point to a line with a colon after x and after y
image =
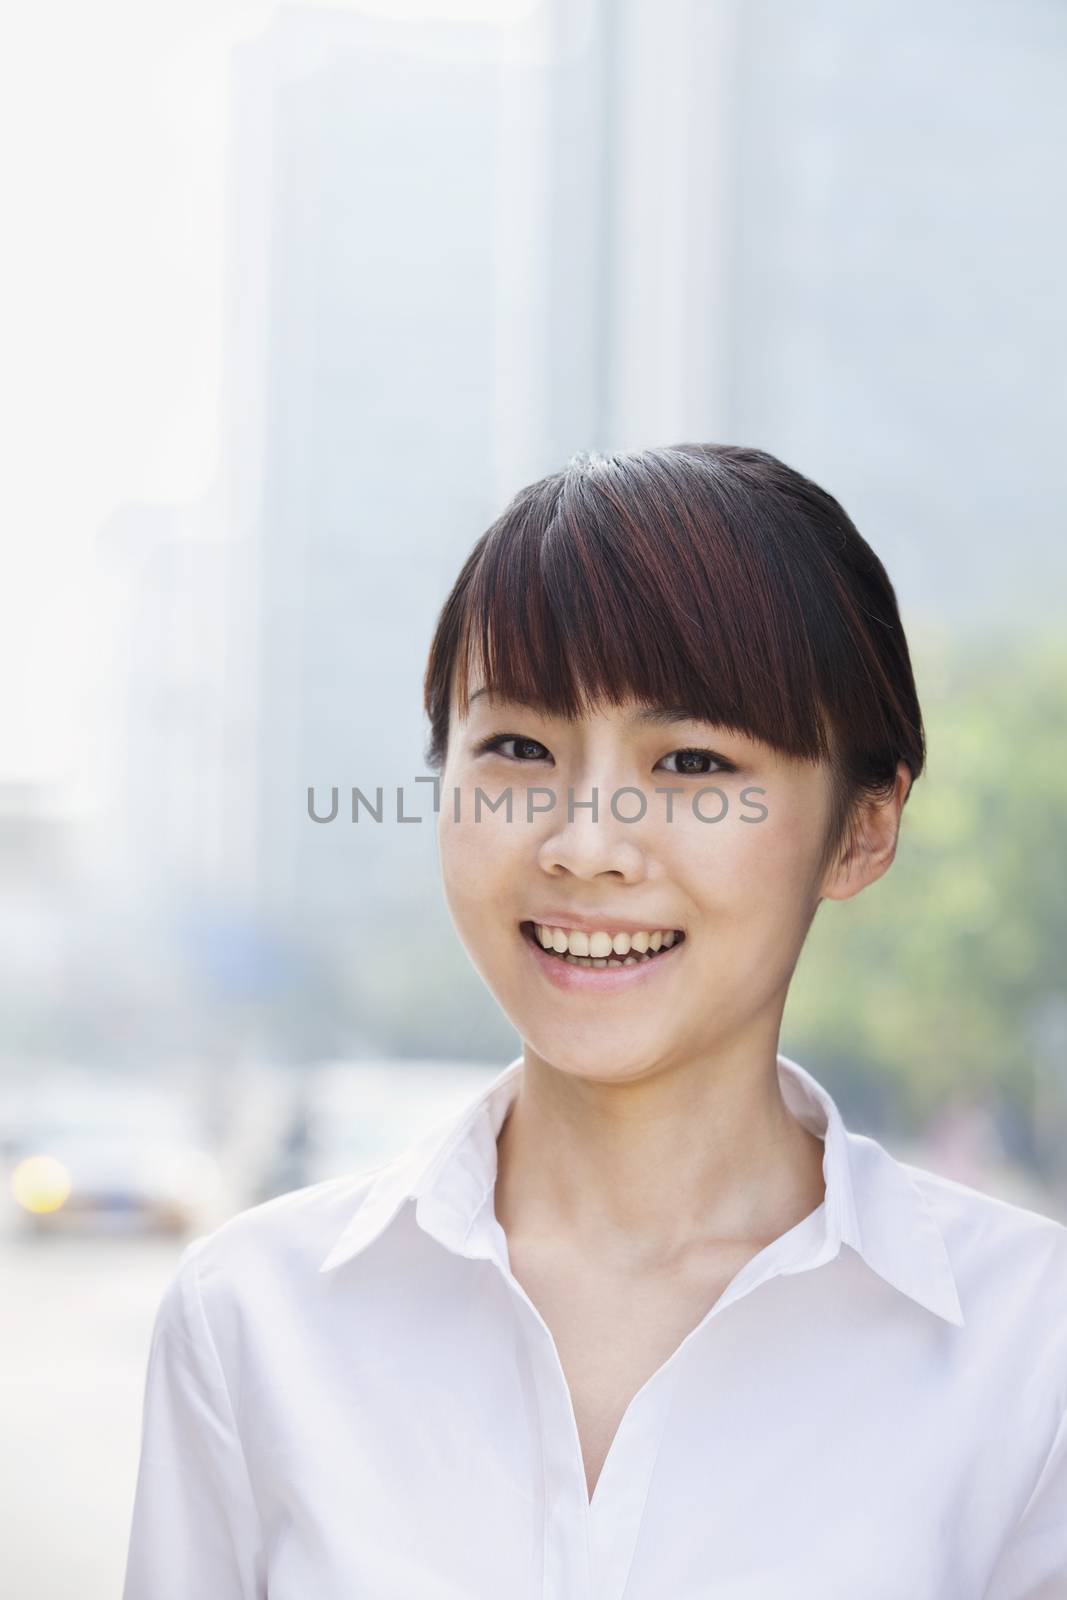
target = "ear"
x: 876, y: 830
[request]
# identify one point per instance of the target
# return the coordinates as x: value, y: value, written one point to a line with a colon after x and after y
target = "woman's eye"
x: 499, y: 740
x: 693, y: 763
x: 689, y: 756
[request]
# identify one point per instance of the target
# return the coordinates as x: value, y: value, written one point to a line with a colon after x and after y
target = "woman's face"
x: 743, y: 889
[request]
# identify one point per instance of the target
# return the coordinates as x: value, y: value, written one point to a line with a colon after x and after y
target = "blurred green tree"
x: 937, y: 975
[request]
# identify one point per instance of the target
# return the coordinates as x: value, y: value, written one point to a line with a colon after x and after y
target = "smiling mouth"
x: 633, y: 959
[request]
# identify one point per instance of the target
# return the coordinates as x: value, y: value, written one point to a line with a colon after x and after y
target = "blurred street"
x: 74, y: 1333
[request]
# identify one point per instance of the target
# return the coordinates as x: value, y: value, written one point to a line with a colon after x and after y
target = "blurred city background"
x: 298, y: 296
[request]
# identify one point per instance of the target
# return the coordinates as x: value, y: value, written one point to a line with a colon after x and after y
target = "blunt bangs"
x: 703, y: 577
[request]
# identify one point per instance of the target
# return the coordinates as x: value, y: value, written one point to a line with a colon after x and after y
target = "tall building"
x: 897, y: 328
x: 418, y: 328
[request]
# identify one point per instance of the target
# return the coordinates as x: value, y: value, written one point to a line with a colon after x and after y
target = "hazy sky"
x: 112, y: 163
x: 895, y: 296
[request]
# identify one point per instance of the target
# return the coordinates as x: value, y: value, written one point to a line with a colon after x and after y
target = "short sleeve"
x: 1033, y: 1564
x: 195, y: 1529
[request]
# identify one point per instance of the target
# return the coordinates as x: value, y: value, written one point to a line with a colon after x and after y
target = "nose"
x: 588, y: 848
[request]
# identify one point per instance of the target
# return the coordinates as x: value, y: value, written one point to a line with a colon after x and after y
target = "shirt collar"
x: 872, y: 1203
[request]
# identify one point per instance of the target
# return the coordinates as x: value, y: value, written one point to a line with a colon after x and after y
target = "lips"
x: 601, y: 975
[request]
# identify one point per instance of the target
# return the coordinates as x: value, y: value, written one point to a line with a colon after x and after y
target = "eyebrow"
x: 644, y: 716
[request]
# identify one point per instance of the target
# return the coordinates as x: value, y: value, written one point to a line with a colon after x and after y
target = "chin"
x: 600, y: 1059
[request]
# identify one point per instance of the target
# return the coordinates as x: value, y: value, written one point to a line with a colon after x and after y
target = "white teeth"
x: 601, y: 948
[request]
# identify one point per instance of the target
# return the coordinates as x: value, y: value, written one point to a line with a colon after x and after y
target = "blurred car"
x: 100, y: 1157
x: 350, y: 1116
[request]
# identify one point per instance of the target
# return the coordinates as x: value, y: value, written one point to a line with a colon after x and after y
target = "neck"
x: 644, y: 1169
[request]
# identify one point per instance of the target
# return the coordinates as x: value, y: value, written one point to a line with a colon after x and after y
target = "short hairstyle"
x: 706, y: 576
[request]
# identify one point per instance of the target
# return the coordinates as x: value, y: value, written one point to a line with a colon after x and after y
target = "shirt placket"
x: 589, y: 1547
x: 566, y: 1560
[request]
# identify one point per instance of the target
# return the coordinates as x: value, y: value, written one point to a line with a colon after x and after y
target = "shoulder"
x: 1000, y: 1251
x: 972, y: 1219
x: 263, y: 1256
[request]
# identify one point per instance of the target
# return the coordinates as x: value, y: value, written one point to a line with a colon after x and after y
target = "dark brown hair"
x: 699, y: 575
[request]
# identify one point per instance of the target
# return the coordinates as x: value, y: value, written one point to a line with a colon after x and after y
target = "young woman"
x: 647, y: 1322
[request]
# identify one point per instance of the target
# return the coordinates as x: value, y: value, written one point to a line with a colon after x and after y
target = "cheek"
x: 746, y: 866
x: 479, y: 875
x: 476, y: 860
x: 458, y: 854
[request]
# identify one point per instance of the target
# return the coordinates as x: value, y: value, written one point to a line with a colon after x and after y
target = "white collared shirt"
x: 350, y: 1397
